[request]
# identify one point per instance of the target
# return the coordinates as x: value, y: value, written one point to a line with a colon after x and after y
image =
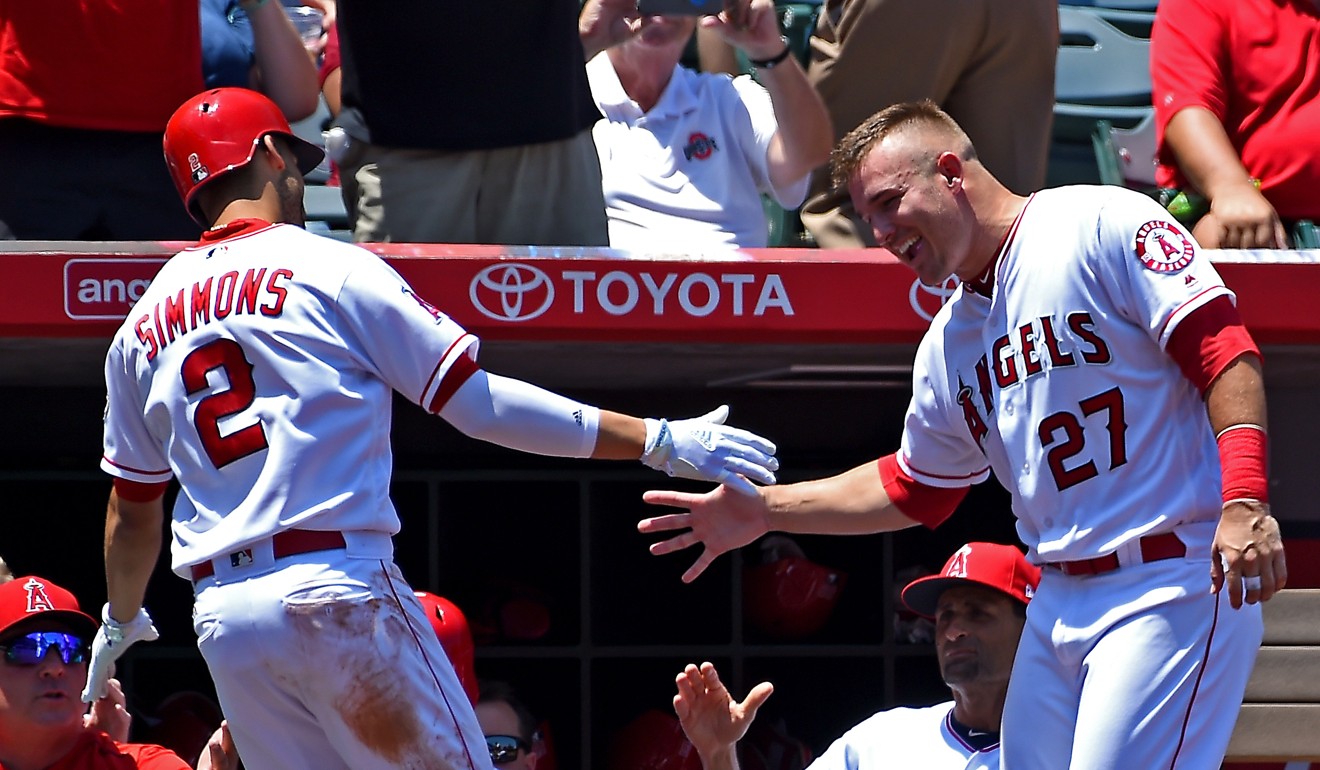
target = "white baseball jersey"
x: 906, y: 738
x: 258, y: 369
x: 1060, y: 383
x: 690, y: 171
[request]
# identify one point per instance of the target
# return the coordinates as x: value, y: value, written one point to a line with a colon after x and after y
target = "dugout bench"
x: 1280, y: 716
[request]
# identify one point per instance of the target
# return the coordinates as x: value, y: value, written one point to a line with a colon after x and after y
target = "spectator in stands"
x: 498, y: 149
x: 45, y: 639
x: 684, y: 155
x: 979, y: 604
x: 988, y: 63
x: 86, y: 87
x: 1236, y: 85
x: 509, y: 726
x: 253, y: 44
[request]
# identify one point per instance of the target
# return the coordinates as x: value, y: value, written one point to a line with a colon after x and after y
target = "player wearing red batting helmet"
x: 258, y: 369
x: 220, y: 130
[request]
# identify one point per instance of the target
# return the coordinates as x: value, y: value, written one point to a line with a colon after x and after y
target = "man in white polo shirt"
x: 685, y: 155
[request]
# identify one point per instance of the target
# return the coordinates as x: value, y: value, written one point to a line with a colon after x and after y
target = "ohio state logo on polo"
x: 1161, y: 248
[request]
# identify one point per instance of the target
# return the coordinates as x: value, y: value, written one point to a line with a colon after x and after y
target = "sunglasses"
x: 31, y: 649
x: 504, y: 748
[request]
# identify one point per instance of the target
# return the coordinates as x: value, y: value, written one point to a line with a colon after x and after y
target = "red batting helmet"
x: 217, y: 131
x: 789, y: 596
x: 451, y: 626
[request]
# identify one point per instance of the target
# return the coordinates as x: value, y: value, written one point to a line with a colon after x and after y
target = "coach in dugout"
x: 45, y: 640
x: 978, y: 602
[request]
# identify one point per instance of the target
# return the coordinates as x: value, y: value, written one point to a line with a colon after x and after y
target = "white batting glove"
x: 112, y: 640
x: 704, y: 449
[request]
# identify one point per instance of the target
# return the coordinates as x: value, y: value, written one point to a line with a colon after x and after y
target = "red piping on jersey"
x: 1205, y: 662
x: 963, y: 477
x: 420, y: 648
x: 1178, y: 309
x: 235, y: 228
x: 134, y: 470
x: 457, y: 374
x: 985, y: 283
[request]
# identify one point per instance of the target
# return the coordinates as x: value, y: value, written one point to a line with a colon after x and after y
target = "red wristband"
x: 1243, y: 456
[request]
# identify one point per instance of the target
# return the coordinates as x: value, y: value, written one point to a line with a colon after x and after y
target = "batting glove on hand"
x: 705, y: 449
x: 112, y: 639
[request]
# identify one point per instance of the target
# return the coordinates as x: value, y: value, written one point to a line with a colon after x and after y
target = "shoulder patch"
x: 1162, y: 247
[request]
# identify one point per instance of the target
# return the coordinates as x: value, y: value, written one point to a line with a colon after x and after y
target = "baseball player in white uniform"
x: 1079, y: 361
x: 257, y: 369
x: 978, y: 603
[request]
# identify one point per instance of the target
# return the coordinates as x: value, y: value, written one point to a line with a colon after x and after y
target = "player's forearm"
x: 1237, y: 396
x: 285, y: 70
x: 132, y: 543
x: 1205, y: 155
x: 805, y: 134
x: 619, y: 437
x: 851, y: 503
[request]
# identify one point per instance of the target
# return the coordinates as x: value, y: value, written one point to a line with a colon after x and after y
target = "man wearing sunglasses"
x: 45, y: 642
x: 508, y: 725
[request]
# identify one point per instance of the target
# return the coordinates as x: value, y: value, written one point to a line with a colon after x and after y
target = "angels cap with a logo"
x: 1001, y: 567
x: 30, y: 597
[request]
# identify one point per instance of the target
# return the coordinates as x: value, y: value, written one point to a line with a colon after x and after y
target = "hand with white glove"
x: 703, y: 448
x: 112, y: 640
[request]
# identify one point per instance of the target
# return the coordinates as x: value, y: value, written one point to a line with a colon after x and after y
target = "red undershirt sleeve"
x: 1208, y: 340
x: 924, y: 504
x: 138, y: 491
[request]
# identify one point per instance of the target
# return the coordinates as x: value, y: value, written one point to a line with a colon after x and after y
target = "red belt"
x: 290, y: 542
x: 1153, y: 548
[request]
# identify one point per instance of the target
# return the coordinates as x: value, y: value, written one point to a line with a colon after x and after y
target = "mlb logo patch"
x: 240, y: 558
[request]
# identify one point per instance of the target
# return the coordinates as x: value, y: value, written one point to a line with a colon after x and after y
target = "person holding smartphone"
x: 685, y: 156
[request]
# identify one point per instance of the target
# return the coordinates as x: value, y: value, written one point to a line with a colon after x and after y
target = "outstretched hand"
x: 719, y: 521
x: 109, y: 714
x: 710, y: 717
x: 705, y: 449
x: 1248, y: 557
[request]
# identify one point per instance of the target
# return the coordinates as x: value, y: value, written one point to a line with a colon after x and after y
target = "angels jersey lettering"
x: 1060, y: 383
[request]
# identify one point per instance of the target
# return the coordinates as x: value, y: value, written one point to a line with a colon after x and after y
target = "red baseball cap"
x: 1001, y: 567
x: 30, y: 597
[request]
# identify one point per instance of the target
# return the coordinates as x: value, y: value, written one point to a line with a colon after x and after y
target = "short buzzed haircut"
x: 496, y: 691
x: 852, y: 149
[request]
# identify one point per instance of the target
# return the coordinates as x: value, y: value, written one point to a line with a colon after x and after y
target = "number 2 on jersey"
x: 1074, y: 439
x: 226, y: 355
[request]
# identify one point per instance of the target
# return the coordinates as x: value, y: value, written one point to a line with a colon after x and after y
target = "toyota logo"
x: 511, y: 291
x: 927, y: 300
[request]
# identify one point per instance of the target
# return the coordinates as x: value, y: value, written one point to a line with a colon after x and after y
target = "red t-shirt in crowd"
x: 97, y: 751
x: 1255, y: 64
x: 121, y: 65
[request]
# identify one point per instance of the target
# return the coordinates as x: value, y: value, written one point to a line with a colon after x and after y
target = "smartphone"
x: 679, y: 7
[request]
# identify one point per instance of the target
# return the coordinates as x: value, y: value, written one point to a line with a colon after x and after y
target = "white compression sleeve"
x: 519, y: 415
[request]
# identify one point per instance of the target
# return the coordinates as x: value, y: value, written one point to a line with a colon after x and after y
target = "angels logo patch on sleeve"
x: 1163, y: 248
